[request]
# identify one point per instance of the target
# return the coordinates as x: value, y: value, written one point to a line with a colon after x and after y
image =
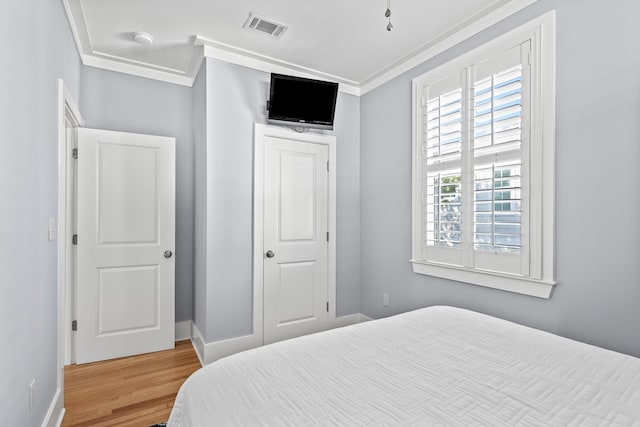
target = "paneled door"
x: 296, y: 189
x: 125, y: 243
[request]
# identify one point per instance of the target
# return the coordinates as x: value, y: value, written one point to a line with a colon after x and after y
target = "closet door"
x: 296, y: 192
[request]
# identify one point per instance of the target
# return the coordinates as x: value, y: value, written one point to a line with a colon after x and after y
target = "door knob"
x: 168, y: 254
x: 270, y: 254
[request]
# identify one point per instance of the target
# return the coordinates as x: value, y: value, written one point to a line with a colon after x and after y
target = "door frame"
x: 260, y: 132
x: 67, y: 112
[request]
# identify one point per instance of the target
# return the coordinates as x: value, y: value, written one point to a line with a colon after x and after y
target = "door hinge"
x: 74, y: 325
x: 74, y: 239
x: 74, y: 153
x: 327, y: 165
x: 327, y: 236
x: 327, y: 306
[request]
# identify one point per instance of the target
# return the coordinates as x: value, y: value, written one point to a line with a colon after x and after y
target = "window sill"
x: 517, y: 284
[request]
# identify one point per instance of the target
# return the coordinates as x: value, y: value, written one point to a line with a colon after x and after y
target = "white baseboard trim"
x: 55, y: 414
x: 210, y: 352
x: 350, y: 319
x: 219, y: 349
x: 365, y: 318
x: 347, y: 320
x: 198, y: 343
x: 183, y: 330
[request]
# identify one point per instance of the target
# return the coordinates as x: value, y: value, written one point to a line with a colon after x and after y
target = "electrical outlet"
x: 385, y: 300
x: 32, y: 394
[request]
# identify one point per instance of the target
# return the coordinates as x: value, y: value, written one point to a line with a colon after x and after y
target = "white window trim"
x: 540, y: 283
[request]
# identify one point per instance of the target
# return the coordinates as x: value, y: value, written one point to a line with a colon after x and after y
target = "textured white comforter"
x: 438, y: 366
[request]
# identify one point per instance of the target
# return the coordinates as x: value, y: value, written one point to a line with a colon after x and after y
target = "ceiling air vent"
x: 266, y: 26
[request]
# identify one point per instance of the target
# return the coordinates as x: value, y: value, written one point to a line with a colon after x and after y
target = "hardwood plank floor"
x: 132, y: 391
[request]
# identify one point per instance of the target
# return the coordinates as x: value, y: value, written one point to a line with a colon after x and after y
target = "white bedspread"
x: 438, y: 366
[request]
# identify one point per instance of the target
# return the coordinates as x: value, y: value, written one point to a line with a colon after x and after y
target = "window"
x: 483, y: 164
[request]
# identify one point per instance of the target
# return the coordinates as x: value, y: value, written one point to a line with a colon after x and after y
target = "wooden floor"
x: 132, y: 391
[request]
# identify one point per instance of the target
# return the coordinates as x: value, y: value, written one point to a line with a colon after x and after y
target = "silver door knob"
x: 168, y: 254
x: 270, y: 254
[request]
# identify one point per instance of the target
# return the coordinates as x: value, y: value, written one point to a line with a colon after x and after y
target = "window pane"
x: 483, y: 195
x: 497, y: 109
x: 443, y: 127
x: 442, y: 207
x: 497, y: 206
x: 483, y: 238
x: 508, y: 241
x: 483, y: 218
x: 483, y: 207
x: 509, y: 217
x: 483, y: 228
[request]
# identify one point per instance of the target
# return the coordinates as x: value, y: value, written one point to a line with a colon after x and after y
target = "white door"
x: 125, y: 243
x: 296, y: 183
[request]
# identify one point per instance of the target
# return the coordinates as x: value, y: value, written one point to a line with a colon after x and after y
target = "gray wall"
x: 37, y: 47
x: 233, y: 105
x: 236, y: 99
x: 598, y: 106
x: 125, y: 103
x: 347, y: 132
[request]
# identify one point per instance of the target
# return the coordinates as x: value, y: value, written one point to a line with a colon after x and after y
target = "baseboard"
x: 183, y: 330
x: 198, y: 343
x: 210, y: 352
x: 55, y: 414
x: 350, y: 319
x: 365, y: 318
x: 219, y: 349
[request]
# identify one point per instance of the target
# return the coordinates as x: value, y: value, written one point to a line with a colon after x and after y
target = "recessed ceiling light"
x: 142, y: 38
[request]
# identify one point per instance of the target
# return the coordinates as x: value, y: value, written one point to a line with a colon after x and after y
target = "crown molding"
x: 246, y: 58
x: 206, y: 48
x: 141, y: 69
x: 97, y: 59
x: 472, y: 27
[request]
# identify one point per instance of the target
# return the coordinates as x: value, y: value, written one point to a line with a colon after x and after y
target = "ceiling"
x: 339, y: 40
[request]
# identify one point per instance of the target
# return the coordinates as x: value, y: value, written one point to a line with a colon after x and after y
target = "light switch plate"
x: 32, y: 394
x: 53, y: 229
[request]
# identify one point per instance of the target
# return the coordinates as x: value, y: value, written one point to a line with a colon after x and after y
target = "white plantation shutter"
x: 473, y: 207
x: 498, y: 104
x: 442, y: 116
x: 483, y: 164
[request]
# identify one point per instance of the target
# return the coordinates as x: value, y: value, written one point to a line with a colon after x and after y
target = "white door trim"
x: 67, y: 110
x: 260, y: 132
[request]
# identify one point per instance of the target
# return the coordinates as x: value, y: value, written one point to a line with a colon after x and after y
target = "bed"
x: 438, y: 366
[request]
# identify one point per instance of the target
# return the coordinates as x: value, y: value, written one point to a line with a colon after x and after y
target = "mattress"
x: 438, y: 366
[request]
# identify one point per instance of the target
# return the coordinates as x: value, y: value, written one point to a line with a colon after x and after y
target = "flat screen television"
x: 301, y: 102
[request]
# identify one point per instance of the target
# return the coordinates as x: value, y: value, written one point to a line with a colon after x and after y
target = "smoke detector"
x: 142, y: 38
x: 266, y: 26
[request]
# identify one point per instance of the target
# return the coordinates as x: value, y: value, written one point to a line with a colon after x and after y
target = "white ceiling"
x: 340, y: 40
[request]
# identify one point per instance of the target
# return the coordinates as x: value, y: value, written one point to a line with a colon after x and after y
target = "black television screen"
x: 301, y: 102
